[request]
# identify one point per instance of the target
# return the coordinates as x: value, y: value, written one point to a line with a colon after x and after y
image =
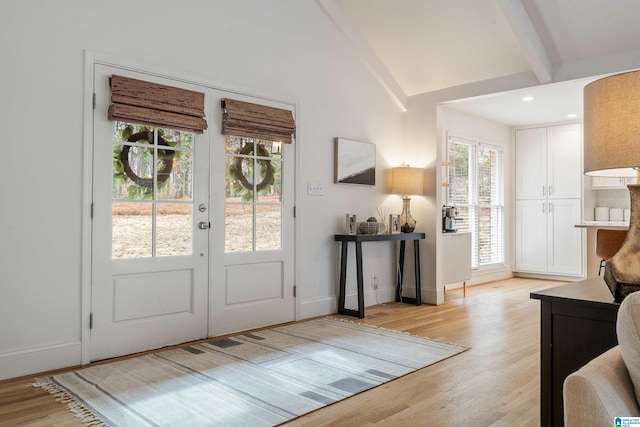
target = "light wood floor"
x: 495, y: 383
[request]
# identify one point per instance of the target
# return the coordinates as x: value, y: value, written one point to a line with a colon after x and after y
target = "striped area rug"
x: 261, y: 378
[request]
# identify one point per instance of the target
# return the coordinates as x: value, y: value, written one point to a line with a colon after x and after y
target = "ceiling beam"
x: 364, y: 52
x: 526, y: 34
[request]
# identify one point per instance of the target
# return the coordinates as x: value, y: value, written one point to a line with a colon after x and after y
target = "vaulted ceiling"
x: 418, y: 46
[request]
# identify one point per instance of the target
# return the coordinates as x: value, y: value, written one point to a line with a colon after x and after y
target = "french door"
x: 149, y: 257
x: 192, y: 235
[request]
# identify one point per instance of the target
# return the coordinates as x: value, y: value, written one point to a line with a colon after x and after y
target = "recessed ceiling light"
x: 572, y: 115
x: 528, y: 98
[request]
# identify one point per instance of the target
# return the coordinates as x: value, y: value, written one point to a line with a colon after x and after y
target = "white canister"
x: 627, y: 215
x: 615, y: 214
x: 602, y: 213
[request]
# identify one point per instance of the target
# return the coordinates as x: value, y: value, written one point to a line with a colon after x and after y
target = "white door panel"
x: 149, y: 260
x: 531, y: 161
x: 565, y: 162
x: 240, y: 283
x: 531, y: 235
x: 565, y: 240
x: 251, y: 286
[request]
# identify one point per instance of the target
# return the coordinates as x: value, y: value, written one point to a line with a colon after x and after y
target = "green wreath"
x: 165, y: 155
x: 236, y: 168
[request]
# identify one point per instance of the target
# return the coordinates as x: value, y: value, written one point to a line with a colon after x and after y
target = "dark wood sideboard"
x: 577, y: 324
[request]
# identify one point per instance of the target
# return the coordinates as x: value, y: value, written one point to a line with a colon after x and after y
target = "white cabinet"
x: 456, y: 248
x: 548, y: 162
x: 547, y: 240
x: 531, y: 164
x: 549, y: 200
x: 531, y: 235
x: 564, y: 239
x: 609, y: 183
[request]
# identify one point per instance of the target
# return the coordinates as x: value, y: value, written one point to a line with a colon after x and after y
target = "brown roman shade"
x: 158, y: 105
x: 257, y: 121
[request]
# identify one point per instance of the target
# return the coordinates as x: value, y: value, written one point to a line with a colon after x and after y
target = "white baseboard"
x: 548, y: 276
x: 317, y: 307
x: 327, y: 306
x: 479, y: 277
x: 40, y: 359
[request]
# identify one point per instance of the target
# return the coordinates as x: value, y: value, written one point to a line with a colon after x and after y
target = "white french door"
x: 149, y: 255
x: 192, y: 235
x: 252, y: 280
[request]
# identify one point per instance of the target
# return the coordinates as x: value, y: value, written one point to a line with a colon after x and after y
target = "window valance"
x: 158, y: 105
x: 257, y: 121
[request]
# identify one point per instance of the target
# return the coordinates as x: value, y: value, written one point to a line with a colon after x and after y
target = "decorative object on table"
x: 394, y: 224
x: 371, y: 226
x: 355, y: 162
x: 611, y: 148
x: 406, y: 181
x: 383, y: 211
x: 350, y: 224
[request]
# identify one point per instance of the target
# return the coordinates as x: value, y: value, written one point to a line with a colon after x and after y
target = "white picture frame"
x: 394, y: 224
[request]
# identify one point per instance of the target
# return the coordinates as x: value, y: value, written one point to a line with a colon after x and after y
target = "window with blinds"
x: 476, y: 189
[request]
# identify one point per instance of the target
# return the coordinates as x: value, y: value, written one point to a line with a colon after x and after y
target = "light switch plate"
x: 315, y: 189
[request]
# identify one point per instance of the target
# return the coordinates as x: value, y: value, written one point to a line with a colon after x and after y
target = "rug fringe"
x: 395, y: 331
x: 63, y: 396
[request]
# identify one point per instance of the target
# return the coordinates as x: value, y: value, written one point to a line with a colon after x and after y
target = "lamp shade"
x: 407, y: 180
x: 612, y: 126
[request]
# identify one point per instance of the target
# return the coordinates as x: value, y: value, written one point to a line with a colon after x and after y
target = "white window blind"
x: 476, y: 189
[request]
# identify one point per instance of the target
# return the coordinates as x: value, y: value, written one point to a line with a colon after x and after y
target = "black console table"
x: 358, y: 239
x: 577, y: 324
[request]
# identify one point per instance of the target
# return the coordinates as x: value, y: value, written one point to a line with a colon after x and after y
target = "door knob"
x: 203, y: 225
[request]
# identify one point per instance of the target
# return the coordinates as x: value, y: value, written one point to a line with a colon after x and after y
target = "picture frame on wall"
x: 355, y: 162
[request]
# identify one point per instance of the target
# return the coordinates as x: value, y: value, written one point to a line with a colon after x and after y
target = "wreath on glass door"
x: 236, y: 167
x: 166, y: 156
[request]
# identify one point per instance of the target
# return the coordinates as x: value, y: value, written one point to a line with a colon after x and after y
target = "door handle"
x: 204, y: 225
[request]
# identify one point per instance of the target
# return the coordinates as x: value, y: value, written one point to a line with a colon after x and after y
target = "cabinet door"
x: 456, y: 248
x: 565, y: 240
x: 603, y: 182
x: 531, y: 235
x: 531, y: 160
x: 564, y: 162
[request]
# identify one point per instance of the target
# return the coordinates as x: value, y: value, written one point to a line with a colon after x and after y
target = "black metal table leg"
x: 400, y: 272
x: 343, y: 276
x: 416, y: 258
x: 360, y: 280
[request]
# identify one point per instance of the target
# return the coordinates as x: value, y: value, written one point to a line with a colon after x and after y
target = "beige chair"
x: 608, y: 242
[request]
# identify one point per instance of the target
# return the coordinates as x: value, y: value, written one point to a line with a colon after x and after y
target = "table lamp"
x: 406, y: 181
x: 612, y: 148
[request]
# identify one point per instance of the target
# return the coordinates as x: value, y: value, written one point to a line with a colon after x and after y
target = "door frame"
x: 90, y: 60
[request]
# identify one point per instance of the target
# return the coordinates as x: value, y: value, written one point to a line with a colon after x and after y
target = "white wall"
x: 281, y: 48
